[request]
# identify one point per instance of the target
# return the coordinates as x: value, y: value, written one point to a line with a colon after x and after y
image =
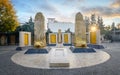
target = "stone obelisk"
x: 59, y: 36
x: 39, y: 31
x: 80, y: 31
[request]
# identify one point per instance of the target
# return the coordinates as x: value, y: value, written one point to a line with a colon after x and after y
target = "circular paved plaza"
x: 108, y: 67
x: 75, y: 60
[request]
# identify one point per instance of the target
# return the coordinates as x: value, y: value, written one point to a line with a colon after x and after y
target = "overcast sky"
x: 65, y: 10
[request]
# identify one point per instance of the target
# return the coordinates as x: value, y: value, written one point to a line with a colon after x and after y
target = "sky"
x: 65, y: 10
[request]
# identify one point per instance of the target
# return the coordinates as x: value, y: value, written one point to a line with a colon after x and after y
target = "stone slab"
x: 59, y: 58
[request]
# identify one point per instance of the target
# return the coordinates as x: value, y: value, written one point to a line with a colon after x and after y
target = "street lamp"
x: 94, y: 34
x: 93, y: 28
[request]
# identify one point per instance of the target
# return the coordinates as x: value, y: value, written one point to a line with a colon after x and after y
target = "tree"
x: 8, y: 19
x: 118, y: 26
x: 108, y: 28
x: 101, y: 25
x: 113, y: 26
x: 49, y: 31
x: 68, y: 31
x: 107, y: 32
x: 28, y: 26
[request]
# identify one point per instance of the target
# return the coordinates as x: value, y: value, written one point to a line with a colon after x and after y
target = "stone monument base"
x: 19, y: 48
x: 59, y: 58
x: 37, y: 51
x: 96, y: 46
x: 82, y: 50
x: 22, y: 48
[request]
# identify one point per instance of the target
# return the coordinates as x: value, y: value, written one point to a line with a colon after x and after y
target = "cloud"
x: 47, y: 7
x: 27, y: 8
x: 106, y: 11
x: 112, y: 10
x: 72, y: 3
x: 65, y: 10
x: 115, y: 4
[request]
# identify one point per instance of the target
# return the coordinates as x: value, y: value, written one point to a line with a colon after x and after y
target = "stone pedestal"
x: 59, y: 58
x: 66, y: 38
x: 98, y: 37
x: 94, y: 35
x: 24, y: 39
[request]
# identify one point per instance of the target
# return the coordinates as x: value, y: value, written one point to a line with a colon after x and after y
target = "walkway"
x: 111, y: 67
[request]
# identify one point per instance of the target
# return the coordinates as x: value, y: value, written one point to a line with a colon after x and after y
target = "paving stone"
x: 111, y: 67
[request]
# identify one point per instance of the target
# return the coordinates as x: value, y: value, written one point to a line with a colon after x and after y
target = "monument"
x: 39, y: 31
x: 59, y: 36
x: 60, y: 39
x: 80, y: 31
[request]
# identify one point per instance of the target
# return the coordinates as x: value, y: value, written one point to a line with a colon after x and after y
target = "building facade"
x: 67, y: 29
x: 54, y: 25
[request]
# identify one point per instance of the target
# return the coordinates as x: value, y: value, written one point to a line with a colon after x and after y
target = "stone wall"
x: 11, y: 38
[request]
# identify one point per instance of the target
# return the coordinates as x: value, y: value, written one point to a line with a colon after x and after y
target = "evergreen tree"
x: 27, y: 26
x: 118, y: 26
x: 101, y: 25
x: 113, y: 26
x: 8, y: 19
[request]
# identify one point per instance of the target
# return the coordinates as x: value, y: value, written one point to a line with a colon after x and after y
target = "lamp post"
x: 93, y: 28
x: 94, y: 34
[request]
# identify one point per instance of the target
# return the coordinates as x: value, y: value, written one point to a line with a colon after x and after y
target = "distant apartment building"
x: 115, y: 35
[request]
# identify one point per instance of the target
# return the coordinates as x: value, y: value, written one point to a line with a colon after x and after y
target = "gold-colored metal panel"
x: 53, y: 38
x: 66, y: 38
x: 26, y: 39
x: 93, y: 38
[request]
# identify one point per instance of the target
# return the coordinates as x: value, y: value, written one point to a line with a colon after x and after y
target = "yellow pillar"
x: 93, y: 38
x: 53, y: 38
x: 26, y: 39
x: 94, y: 34
x: 66, y: 38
